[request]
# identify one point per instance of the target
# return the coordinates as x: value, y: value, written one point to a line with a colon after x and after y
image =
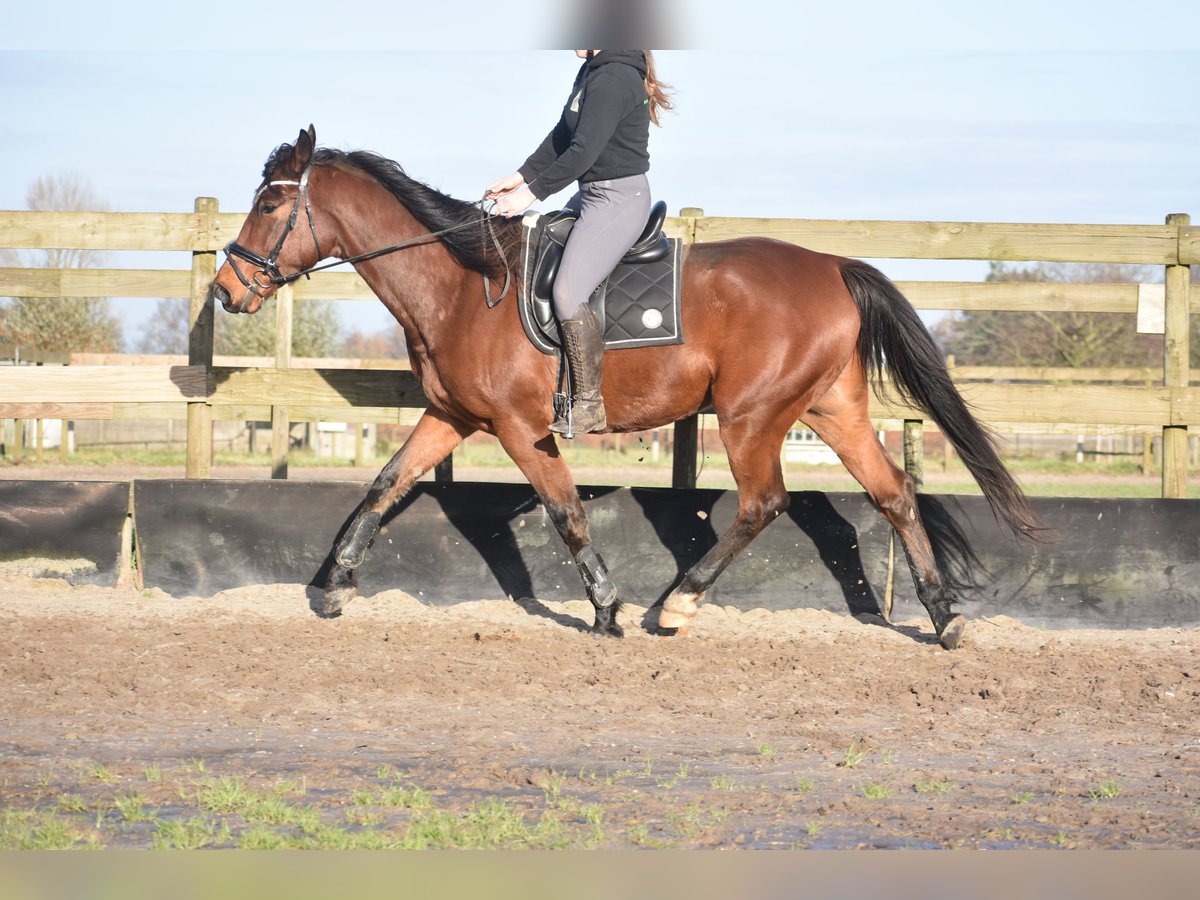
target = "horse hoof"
x: 329, y: 606
x: 678, y: 610
x: 673, y: 621
x: 952, y: 633
x: 612, y: 630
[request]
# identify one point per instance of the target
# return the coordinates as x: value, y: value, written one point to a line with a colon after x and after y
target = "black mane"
x: 471, y: 247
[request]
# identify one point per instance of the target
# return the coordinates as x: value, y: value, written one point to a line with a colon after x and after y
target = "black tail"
x: 894, y: 338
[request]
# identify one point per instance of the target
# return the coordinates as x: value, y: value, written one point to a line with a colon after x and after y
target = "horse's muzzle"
x: 221, y: 295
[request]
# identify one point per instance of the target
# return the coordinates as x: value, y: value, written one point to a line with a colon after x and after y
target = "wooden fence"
x: 203, y: 391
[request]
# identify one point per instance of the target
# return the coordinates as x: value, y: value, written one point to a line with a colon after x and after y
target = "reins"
x: 269, y: 268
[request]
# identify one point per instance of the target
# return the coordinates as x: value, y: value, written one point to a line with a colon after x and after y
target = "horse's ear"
x: 303, y: 151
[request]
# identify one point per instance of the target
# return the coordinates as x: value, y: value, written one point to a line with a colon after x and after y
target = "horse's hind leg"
x: 754, y: 450
x: 434, y: 436
x: 843, y: 425
x: 536, y: 454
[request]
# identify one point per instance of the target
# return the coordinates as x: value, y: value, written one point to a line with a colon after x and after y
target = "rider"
x: 601, y: 141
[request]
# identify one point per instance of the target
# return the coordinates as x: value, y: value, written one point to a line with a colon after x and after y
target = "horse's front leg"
x: 536, y: 454
x: 434, y: 436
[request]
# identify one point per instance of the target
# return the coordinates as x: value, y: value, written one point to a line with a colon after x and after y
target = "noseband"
x: 266, y: 273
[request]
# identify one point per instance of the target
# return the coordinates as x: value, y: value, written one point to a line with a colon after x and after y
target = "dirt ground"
x: 780, y: 729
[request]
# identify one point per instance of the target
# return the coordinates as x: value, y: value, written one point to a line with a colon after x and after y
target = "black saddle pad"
x: 639, y: 303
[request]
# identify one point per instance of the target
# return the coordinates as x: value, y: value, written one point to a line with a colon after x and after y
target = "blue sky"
x: 1076, y: 113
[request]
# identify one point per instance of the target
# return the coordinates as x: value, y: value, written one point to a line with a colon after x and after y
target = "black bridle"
x: 267, y: 273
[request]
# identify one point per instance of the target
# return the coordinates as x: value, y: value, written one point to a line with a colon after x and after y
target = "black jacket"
x: 604, y: 129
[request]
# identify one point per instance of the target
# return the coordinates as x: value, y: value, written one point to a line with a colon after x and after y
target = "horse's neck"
x: 418, y: 284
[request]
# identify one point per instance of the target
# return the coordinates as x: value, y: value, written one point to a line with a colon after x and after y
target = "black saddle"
x: 638, y: 303
x: 650, y: 247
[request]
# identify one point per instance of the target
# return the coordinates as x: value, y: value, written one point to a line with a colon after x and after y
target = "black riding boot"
x: 583, y: 339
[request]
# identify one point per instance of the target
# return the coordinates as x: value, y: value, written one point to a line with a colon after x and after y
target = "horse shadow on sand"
x: 507, y: 529
x: 684, y: 527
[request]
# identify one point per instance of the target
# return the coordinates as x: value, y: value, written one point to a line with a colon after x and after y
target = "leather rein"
x: 267, y: 273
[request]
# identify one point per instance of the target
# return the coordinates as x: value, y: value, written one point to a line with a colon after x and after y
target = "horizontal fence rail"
x: 201, y: 388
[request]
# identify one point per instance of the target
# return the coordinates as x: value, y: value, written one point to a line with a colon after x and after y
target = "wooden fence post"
x: 684, y: 444
x: 281, y: 426
x: 1176, y: 367
x: 914, y: 450
x: 200, y: 346
x: 683, y: 452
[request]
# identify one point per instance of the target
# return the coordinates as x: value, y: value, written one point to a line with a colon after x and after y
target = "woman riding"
x: 601, y: 142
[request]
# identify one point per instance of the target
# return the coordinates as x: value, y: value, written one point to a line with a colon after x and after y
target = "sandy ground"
x: 780, y: 729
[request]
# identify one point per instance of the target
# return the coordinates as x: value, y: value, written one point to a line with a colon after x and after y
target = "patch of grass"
x: 260, y: 837
x: 695, y: 818
x: 227, y: 794
x: 275, y: 810
x: 103, y: 774
x: 487, y: 825
x: 853, y: 755
x: 1106, y: 791
x: 766, y: 749
x: 877, y: 791
x: 802, y: 784
x: 394, y: 795
x: 722, y: 783
x: 1061, y: 839
x: 41, y: 830
x: 340, y: 839
x: 812, y: 828
x: 190, y: 834
x: 71, y: 803
x: 132, y: 808
x: 363, y: 818
x: 685, y: 770
x: 284, y: 786
x: 552, y: 786
x: 195, y: 766
x: 933, y: 787
x: 1021, y: 799
x: 153, y: 773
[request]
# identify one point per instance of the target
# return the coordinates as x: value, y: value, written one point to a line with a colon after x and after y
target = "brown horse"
x: 775, y: 334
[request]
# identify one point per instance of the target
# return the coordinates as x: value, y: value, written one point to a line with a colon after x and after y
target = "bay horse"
x: 774, y: 334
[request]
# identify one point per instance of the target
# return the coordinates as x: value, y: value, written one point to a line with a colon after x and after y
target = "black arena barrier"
x: 63, y: 529
x: 1115, y: 563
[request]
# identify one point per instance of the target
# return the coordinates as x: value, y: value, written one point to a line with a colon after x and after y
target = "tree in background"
x: 61, y: 324
x: 316, y: 330
x: 1047, y: 338
x: 388, y: 343
x: 167, y: 331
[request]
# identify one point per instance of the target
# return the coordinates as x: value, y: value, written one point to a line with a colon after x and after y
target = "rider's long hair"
x: 658, y: 92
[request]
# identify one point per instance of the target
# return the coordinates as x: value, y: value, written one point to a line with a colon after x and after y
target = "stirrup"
x: 564, y: 420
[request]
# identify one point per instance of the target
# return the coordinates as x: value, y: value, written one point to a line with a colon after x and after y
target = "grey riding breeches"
x: 612, y: 213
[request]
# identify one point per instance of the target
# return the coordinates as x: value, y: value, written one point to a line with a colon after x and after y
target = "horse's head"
x: 266, y: 253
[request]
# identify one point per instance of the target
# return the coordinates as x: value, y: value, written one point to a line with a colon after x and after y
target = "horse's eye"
x: 267, y: 208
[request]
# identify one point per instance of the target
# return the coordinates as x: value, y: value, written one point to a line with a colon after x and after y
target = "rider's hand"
x: 514, y: 201
x: 504, y: 185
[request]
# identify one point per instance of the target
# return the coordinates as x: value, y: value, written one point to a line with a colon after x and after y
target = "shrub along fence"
x: 201, y: 392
